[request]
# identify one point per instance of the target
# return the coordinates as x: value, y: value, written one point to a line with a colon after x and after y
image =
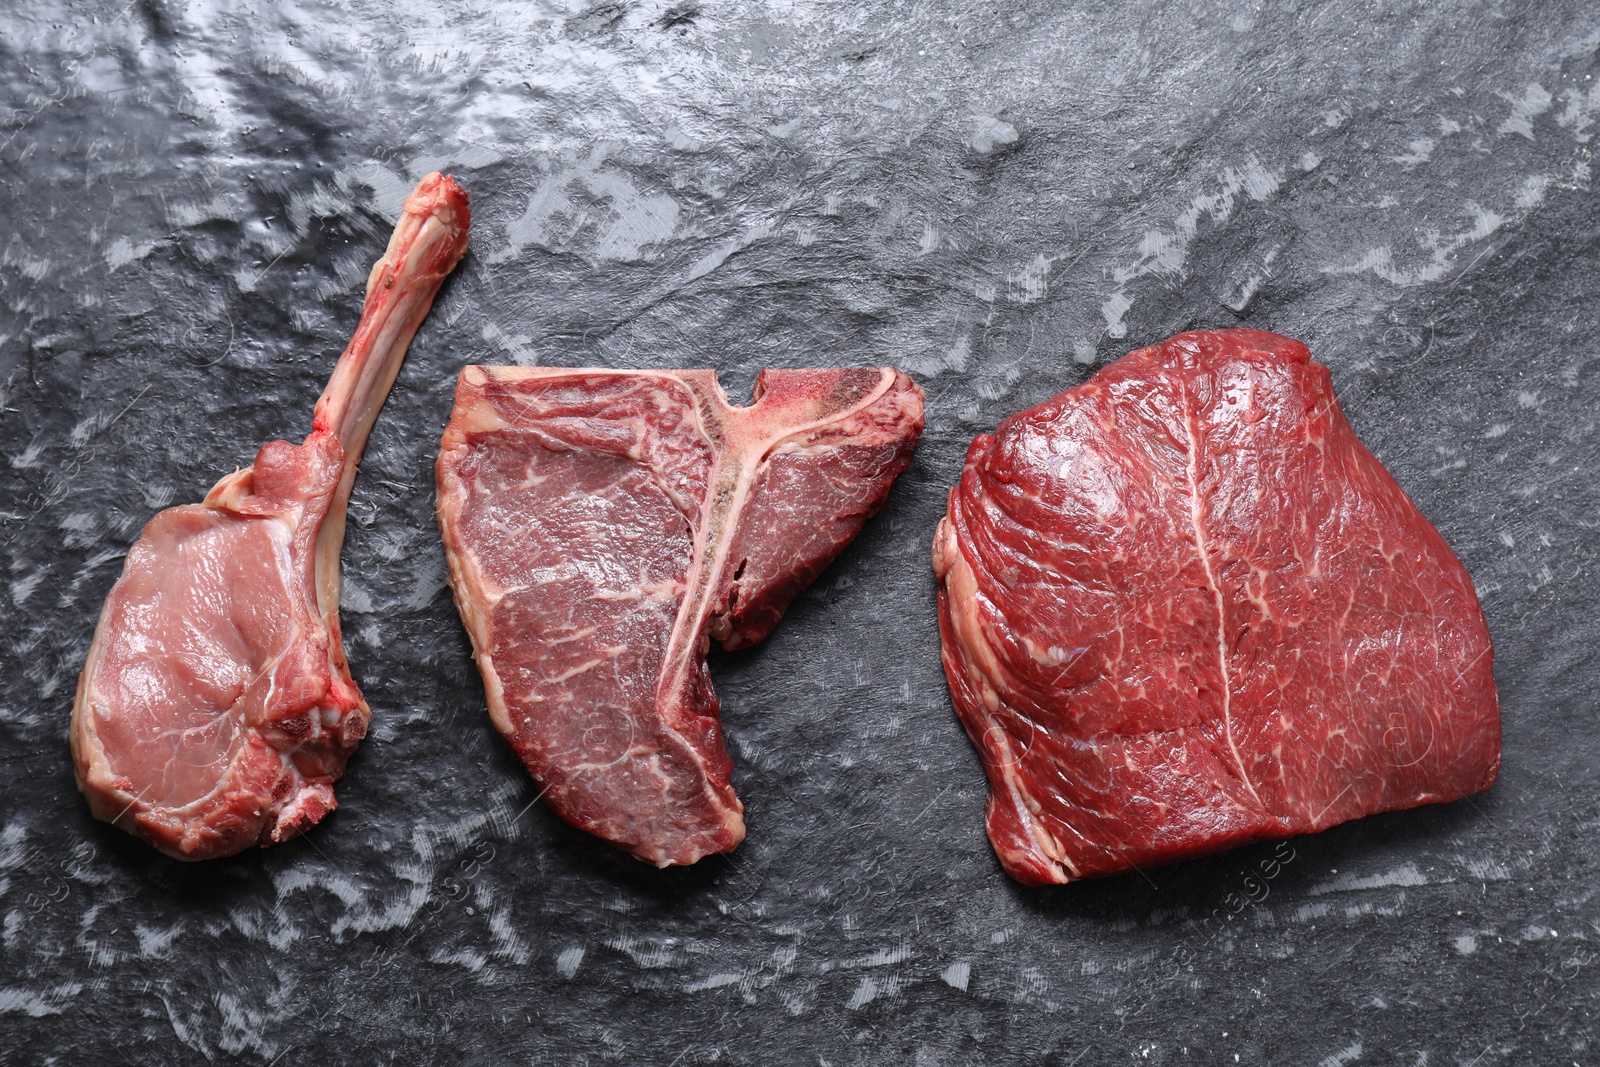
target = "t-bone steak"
x: 216, y: 709
x: 603, y: 526
x: 1184, y: 609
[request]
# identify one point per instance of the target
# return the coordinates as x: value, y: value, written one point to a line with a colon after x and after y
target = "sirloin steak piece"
x: 1184, y: 609
x: 216, y: 709
x: 603, y: 526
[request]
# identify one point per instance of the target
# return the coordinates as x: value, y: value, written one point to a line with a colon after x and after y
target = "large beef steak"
x: 1183, y: 609
x: 604, y: 526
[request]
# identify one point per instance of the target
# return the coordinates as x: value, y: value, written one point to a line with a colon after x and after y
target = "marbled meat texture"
x: 1183, y: 609
x: 604, y: 526
x: 216, y: 708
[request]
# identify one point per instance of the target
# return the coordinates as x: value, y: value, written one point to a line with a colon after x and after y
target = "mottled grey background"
x: 996, y: 197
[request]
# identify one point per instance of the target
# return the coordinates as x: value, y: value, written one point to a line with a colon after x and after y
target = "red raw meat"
x: 1184, y: 609
x: 216, y: 709
x: 603, y: 526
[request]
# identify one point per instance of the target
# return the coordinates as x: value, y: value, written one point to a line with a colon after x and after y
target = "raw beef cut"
x: 603, y: 526
x: 216, y: 709
x: 1183, y: 609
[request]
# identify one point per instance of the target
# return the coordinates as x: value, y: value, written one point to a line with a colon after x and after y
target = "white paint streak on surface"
x: 719, y: 255
x: 37, y: 1005
x: 17, y: 255
x: 155, y: 943
x: 1488, y: 870
x: 955, y: 358
x: 1166, y: 252
x: 1032, y: 282
x: 624, y: 219
x: 222, y: 208
x: 518, y: 346
x: 1349, y: 1054
x: 638, y: 219
x: 389, y: 188
x: 1442, y: 250
x: 123, y: 251
x: 1403, y: 876
x: 990, y: 133
x: 1531, y: 195
x: 886, y: 956
x: 866, y: 992
x: 23, y: 587
x: 1578, y: 111
x: 1419, y: 151
x: 1533, y: 102
x: 569, y: 961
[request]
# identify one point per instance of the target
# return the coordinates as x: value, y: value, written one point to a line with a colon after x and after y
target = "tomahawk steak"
x: 1183, y: 609
x: 216, y: 709
x: 603, y: 526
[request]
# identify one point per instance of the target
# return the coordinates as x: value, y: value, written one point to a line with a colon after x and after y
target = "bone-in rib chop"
x: 216, y: 709
x: 604, y: 526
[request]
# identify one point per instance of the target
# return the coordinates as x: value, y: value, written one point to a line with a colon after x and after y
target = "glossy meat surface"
x: 216, y: 710
x: 604, y: 526
x: 1183, y: 609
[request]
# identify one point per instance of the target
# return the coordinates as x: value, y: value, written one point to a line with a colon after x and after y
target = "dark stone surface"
x: 995, y: 197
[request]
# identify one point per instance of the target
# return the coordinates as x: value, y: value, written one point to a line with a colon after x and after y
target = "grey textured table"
x: 996, y: 198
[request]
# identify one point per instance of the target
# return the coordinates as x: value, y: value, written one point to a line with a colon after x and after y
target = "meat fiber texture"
x: 216, y: 707
x: 1183, y: 609
x: 604, y: 526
